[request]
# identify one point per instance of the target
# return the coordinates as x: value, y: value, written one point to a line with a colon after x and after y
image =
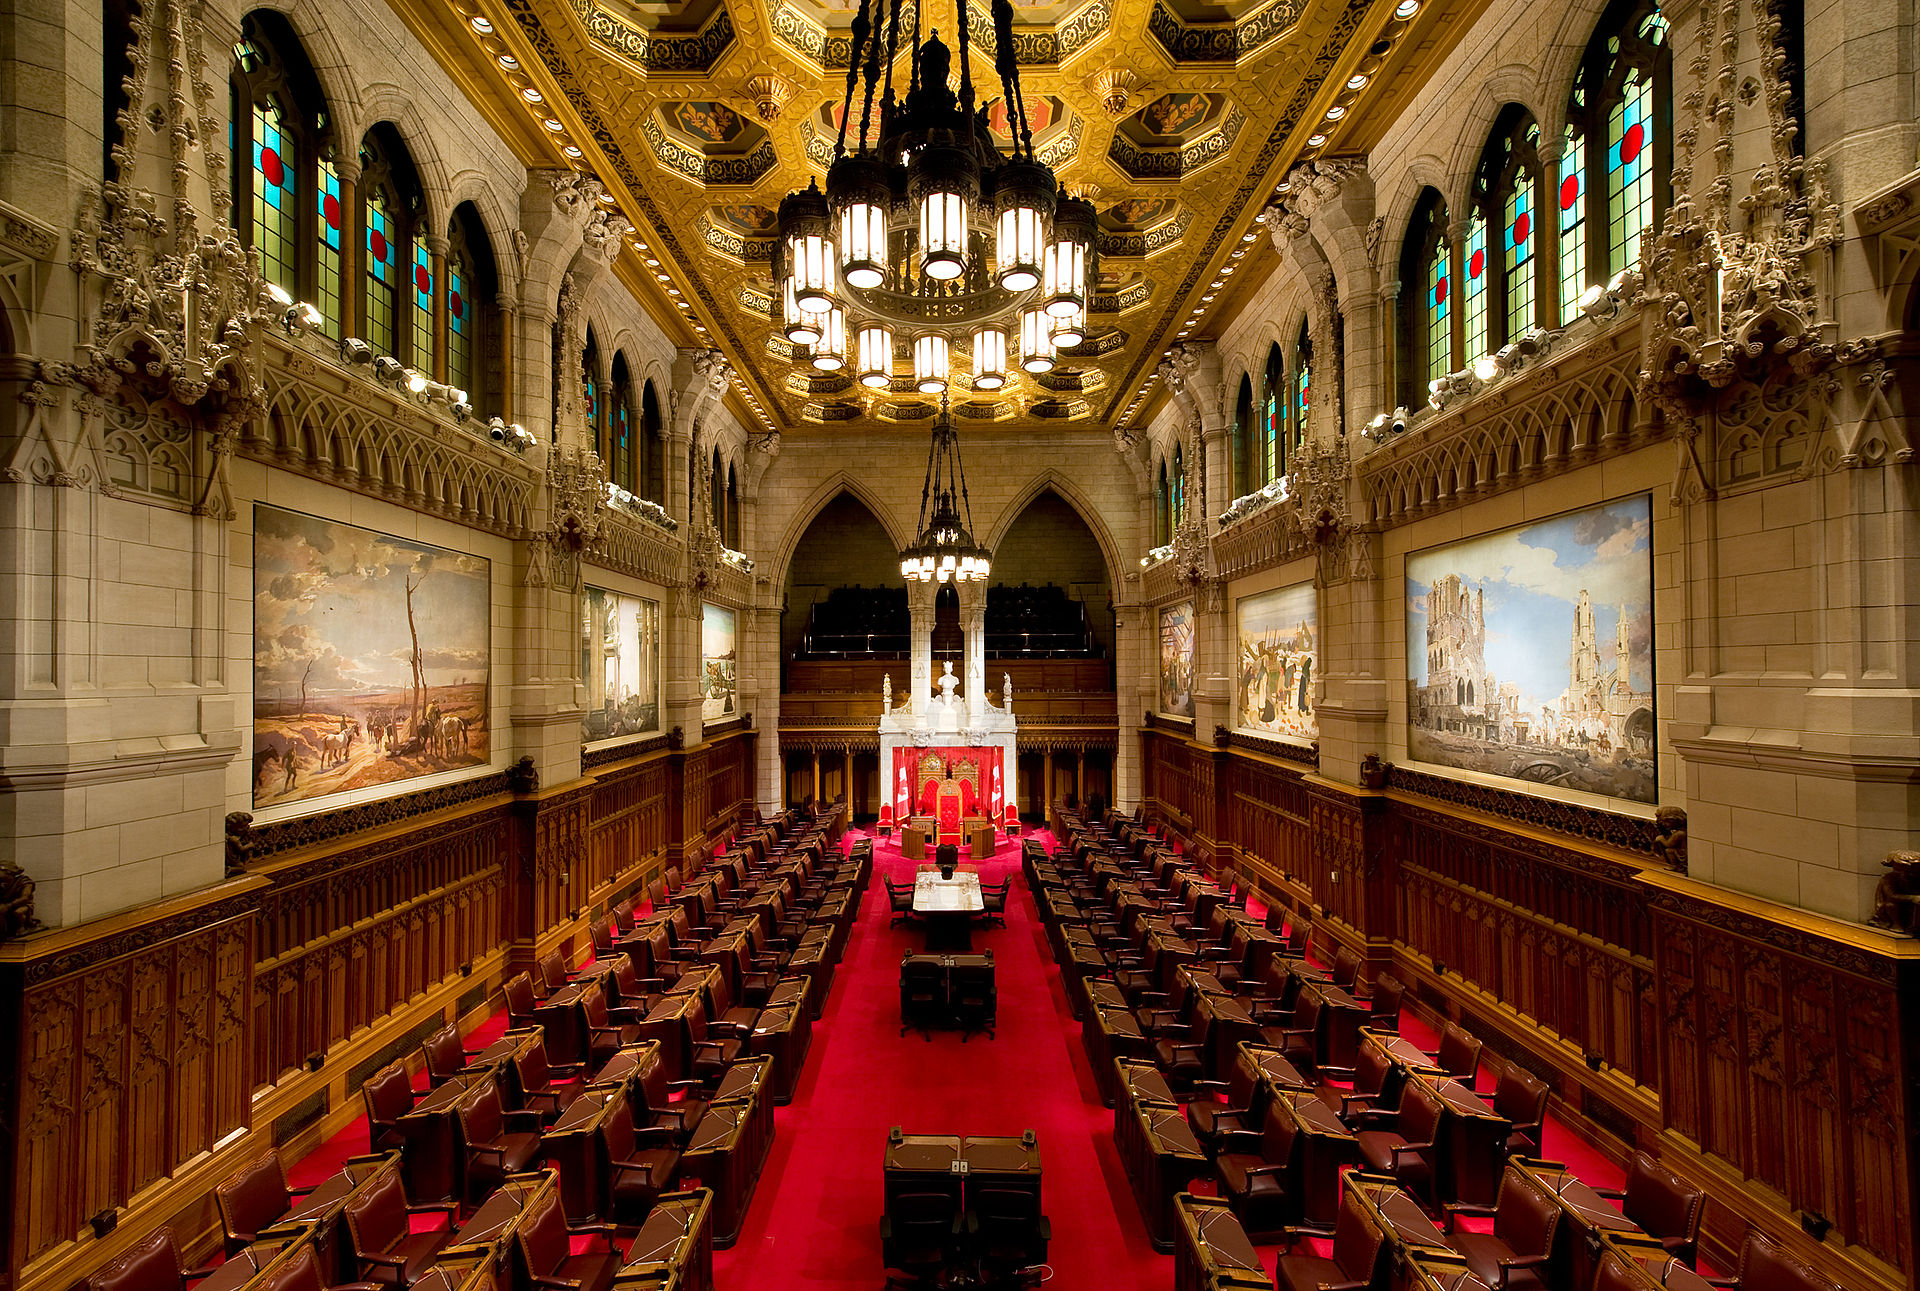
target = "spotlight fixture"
x: 389, y: 369
x: 355, y: 350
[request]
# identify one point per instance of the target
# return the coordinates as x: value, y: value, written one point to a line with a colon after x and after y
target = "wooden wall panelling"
x: 629, y: 828
x: 130, y: 1059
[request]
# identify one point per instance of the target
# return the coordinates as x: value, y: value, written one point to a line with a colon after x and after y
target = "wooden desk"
x: 673, y: 1251
x: 1341, y: 1017
x: 783, y: 1032
x: 1163, y: 1159
x: 490, y: 1229
x: 1586, y: 1218
x: 432, y: 1159
x: 666, y: 1025
x: 320, y: 1216
x: 501, y: 1060
x: 1107, y: 1034
x: 245, y: 1266
x: 918, y: 1163
x: 1228, y: 1026
x: 637, y: 1068
x: 720, y: 1154
x: 1212, y: 1251
x: 1472, y: 1152
x: 1325, y: 1148
x: 1275, y: 1072
x: 563, y: 1018
x: 573, y: 1145
x: 1002, y: 1161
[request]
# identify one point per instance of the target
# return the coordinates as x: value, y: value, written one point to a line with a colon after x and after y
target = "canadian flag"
x: 995, y: 791
x: 903, y: 791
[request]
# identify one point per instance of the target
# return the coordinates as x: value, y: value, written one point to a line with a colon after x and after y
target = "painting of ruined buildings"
x: 1278, y: 662
x: 370, y: 658
x: 1530, y: 653
x: 620, y: 663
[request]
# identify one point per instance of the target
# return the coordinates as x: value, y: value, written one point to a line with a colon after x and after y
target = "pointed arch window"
x: 590, y: 395
x: 1245, y: 467
x: 394, y: 284
x: 1301, y: 387
x: 620, y: 430
x: 733, y: 509
x: 1178, y: 506
x: 1162, y: 509
x: 1620, y: 115
x: 653, y: 449
x: 473, y: 331
x: 1426, y: 300
x: 717, y: 493
x: 280, y: 139
x: 1273, y: 417
x: 1503, y: 299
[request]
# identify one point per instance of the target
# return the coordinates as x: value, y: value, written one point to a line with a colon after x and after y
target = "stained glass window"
x: 422, y: 295
x: 622, y: 441
x: 1179, y: 507
x: 1302, y: 399
x: 1245, y: 468
x: 1629, y: 170
x: 275, y: 193
x: 1573, y: 225
x: 589, y: 362
x: 1477, y: 281
x: 460, y: 328
x: 329, y: 219
x: 1273, y: 419
x: 1439, y: 314
x: 382, y: 274
x: 1516, y: 237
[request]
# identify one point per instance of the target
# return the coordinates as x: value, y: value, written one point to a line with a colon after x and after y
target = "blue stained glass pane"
x: 422, y: 278
x: 379, y: 243
x: 456, y: 300
x: 328, y: 205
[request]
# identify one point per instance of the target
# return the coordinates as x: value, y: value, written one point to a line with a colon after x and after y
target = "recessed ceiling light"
x: 480, y: 25
x: 1335, y: 112
x: 1285, y: 186
x: 1407, y: 9
x: 553, y: 125
x: 1357, y: 82
x: 509, y: 62
x: 1216, y: 284
x: 607, y: 198
x: 651, y: 262
x: 1315, y: 140
x: 662, y: 277
x: 1226, y: 271
x: 1248, y: 237
x: 532, y: 95
x: 573, y: 150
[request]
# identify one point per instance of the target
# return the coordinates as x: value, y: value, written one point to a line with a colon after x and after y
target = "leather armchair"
x: 995, y: 900
x: 1410, y: 1150
x: 1005, y: 1228
x: 710, y: 1051
x: 379, y: 1224
x: 496, y: 1142
x: 153, y: 1264
x: 553, y: 973
x: 1660, y: 1202
x: 538, y: 1091
x: 1521, y: 1097
x: 300, y: 1271
x: 1180, y: 1042
x: 445, y: 1055
x: 607, y: 1028
x: 1765, y: 1267
x: 254, y: 1199
x: 1298, y: 1042
x: 923, y: 994
x: 1359, y: 1261
x: 920, y: 1232
x: 521, y: 1003
x: 1258, y: 1176
x: 1459, y: 1054
x: 388, y: 1095
x: 901, y: 902
x: 640, y: 1162
x: 1383, y: 1006
x: 1371, y: 1074
x: 544, y: 1242
x: 622, y: 915
x: 1223, y: 1107
x: 602, y: 932
x: 973, y: 997
x: 1514, y: 1256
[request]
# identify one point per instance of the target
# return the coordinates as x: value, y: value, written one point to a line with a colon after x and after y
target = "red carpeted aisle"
x: 815, y: 1220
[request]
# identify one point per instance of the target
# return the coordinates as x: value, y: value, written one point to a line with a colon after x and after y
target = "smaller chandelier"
x: 931, y: 356
x: 989, y: 359
x: 945, y: 550
x: 809, y: 249
x: 830, y: 351
x: 944, y: 184
x: 1068, y: 330
x: 802, y: 328
x: 857, y: 189
x: 1036, y: 343
x: 874, y: 357
x: 1064, y: 265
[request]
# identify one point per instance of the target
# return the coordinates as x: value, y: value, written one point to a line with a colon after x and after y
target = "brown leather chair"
x: 153, y: 1264
x: 1222, y: 1107
x: 522, y: 1005
x: 1383, y: 1006
x: 1376, y: 1086
x: 1180, y: 1043
x: 544, y: 1242
x: 387, y: 1096
x: 1409, y: 1151
x: 1514, y: 1256
x: 1258, y: 1177
x: 379, y: 1224
x: 553, y: 973
x: 254, y: 1199
x: 1359, y: 1260
x: 602, y: 932
x: 995, y: 901
x: 1620, y: 1271
x: 640, y: 1162
x: 446, y: 1056
x: 300, y: 1271
x: 1660, y: 1202
x: 1006, y: 1230
x: 622, y: 916
x: 920, y: 1231
x: 537, y: 1088
x: 1459, y: 1054
x: 494, y: 1148
x: 1299, y: 1041
x: 1521, y: 1097
x: 1765, y: 1267
x: 710, y: 1049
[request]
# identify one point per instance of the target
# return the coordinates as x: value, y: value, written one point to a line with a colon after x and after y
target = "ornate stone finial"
x: 769, y: 93
x: 17, y: 916
x: 886, y: 692
x: 1670, y: 837
x: 579, y: 499
x: 1115, y: 86
x: 1896, y: 901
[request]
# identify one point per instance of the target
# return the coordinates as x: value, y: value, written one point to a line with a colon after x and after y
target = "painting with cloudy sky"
x: 1530, y: 652
x: 371, y: 658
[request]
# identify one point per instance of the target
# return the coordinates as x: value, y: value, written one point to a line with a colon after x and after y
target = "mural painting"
x: 1530, y: 652
x: 1176, y: 659
x: 370, y: 658
x: 717, y: 695
x: 1279, y: 661
x: 620, y: 661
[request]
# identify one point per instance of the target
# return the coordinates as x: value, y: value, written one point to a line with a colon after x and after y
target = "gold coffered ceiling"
x: 1176, y: 117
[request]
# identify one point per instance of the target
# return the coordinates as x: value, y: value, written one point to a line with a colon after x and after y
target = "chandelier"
x: 945, y: 550
x: 928, y: 241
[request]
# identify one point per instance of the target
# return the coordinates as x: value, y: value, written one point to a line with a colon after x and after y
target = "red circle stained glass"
x: 422, y: 280
x: 1569, y: 192
x: 457, y: 305
x: 1440, y: 292
x: 378, y: 241
x: 1632, y: 142
x: 272, y: 167
x: 1477, y: 263
x: 1522, y: 225
x: 331, y: 209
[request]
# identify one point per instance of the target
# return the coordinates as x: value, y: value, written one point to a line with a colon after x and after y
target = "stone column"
x: 815, y: 790
x: 437, y: 249
x: 920, y: 645
x: 509, y: 317
x: 353, y: 238
x: 846, y: 780
x: 973, y: 636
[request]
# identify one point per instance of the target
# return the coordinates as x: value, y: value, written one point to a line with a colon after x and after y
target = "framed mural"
x: 1530, y: 652
x: 620, y: 661
x: 1279, y: 658
x: 1176, y: 659
x: 371, y: 658
x: 717, y: 658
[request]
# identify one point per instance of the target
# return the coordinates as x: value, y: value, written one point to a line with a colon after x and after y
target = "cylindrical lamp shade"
x: 830, y: 352
x: 1023, y: 201
x: 802, y: 328
x: 874, y: 357
x: 943, y: 183
x: 932, y: 357
x: 809, y: 254
x: 1069, y: 256
x: 1036, y: 344
x: 1068, y: 330
x: 858, y: 194
x: 989, y: 359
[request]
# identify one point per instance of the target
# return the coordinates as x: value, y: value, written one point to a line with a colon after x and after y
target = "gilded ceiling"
x: 1175, y: 117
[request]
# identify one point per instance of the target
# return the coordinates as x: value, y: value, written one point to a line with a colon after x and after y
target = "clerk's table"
x: 948, y: 906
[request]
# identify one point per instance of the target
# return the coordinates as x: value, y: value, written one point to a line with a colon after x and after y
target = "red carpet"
x: 815, y: 1221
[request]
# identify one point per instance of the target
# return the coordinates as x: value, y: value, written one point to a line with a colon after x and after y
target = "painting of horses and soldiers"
x: 370, y: 658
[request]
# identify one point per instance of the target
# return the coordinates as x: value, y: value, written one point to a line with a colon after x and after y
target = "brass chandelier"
x: 928, y: 237
x: 945, y: 550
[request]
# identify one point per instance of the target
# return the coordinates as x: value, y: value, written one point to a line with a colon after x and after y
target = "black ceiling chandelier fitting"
x: 926, y: 232
x: 945, y: 550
